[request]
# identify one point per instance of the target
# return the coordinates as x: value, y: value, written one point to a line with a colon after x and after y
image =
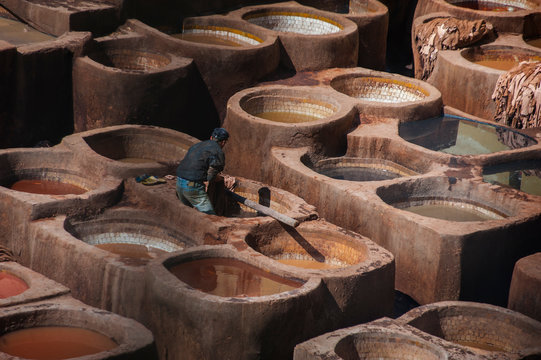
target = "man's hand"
x: 229, y: 182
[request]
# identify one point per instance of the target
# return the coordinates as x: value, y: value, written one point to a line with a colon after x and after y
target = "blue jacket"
x: 203, y: 162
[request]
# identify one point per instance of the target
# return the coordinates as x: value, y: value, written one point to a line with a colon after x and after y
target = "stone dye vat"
x: 195, y: 324
x: 70, y: 329
x: 507, y: 16
x: 57, y: 17
x: 388, y: 95
x: 129, y: 80
x: 358, y: 169
x: 132, y: 150
x: 457, y: 135
x: 348, y: 264
x: 312, y: 39
x: 525, y: 290
x: 20, y: 285
x: 482, y: 328
x: 282, y: 116
x: 524, y: 175
x: 499, y: 58
x: 230, y: 54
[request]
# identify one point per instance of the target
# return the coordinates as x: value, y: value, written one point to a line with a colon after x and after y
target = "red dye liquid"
x: 54, y: 342
x: 231, y: 278
x: 11, y: 285
x: 486, y: 6
x: 46, y: 187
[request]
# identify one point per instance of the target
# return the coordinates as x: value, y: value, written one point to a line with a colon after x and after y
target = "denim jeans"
x: 194, y: 195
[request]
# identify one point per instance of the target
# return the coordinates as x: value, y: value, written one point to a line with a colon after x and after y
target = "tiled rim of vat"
x: 129, y: 226
x: 368, y: 255
x: 170, y: 284
x: 370, y: 163
x: 281, y: 200
x: 498, y: 52
x: 465, y: 193
x: 39, y: 286
x: 480, y: 319
x: 308, y: 101
x: 158, y: 143
x: 520, y: 4
x: 51, y: 164
x: 130, y: 335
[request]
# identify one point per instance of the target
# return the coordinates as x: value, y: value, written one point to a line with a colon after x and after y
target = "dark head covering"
x: 220, y: 134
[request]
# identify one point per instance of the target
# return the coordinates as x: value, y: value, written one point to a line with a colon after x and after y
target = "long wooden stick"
x: 264, y: 210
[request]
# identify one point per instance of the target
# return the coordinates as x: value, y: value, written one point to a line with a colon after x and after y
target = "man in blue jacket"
x: 200, y: 166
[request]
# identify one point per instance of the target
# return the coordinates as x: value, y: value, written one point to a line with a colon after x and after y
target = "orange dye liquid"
x: 504, y: 65
x: 11, y: 285
x: 231, y: 278
x: 54, y: 342
x: 309, y: 264
x: 286, y: 117
x: 46, y: 187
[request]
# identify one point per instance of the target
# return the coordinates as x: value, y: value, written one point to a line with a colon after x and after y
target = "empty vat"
x: 522, y: 175
x: 193, y: 324
x: 311, y: 39
x: 64, y: 330
x: 481, y: 328
x: 461, y: 136
x: 388, y: 95
x: 359, y: 169
x: 279, y: 115
x: 132, y: 150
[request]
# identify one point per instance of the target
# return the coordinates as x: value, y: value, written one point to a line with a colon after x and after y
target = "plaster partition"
x: 104, y: 255
x: 311, y: 39
x: 21, y: 285
x: 58, y: 17
x: 132, y: 150
x: 507, y: 16
x: 358, y: 274
x: 214, y: 301
x: 381, y: 94
x: 487, y: 330
x: 291, y: 116
x: 230, y: 54
x: 126, y: 78
x: 467, y: 77
x: 58, y: 329
x: 525, y: 290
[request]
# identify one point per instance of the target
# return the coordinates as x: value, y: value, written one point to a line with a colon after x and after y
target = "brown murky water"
x: 286, y: 117
x: 54, y: 342
x: 17, y: 33
x: 309, y: 264
x: 209, y: 39
x: 11, y: 285
x: 504, y: 65
x: 47, y: 187
x: 486, y: 6
x: 231, y: 278
x: 449, y: 212
x: 135, y: 160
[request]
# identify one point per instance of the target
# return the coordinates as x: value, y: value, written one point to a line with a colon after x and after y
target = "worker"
x: 200, y: 166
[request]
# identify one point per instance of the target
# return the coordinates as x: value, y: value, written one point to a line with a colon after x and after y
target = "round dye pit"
x: 356, y: 169
x: 46, y: 187
x: 287, y: 109
x: 18, y: 33
x: 229, y: 277
x: 450, y: 209
x: 46, y: 182
x: 387, y: 345
x: 496, y: 5
x: 218, y: 35
x: 11, y: 285
x: 482, y: 328
x: 54, y: 342
x: 310, y: 248
x: 296, y: 22
x: 499, y: 58
x: 130, y: 60
x: 522, y: 175
x: 378, y: 89
x: 461, y: 136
